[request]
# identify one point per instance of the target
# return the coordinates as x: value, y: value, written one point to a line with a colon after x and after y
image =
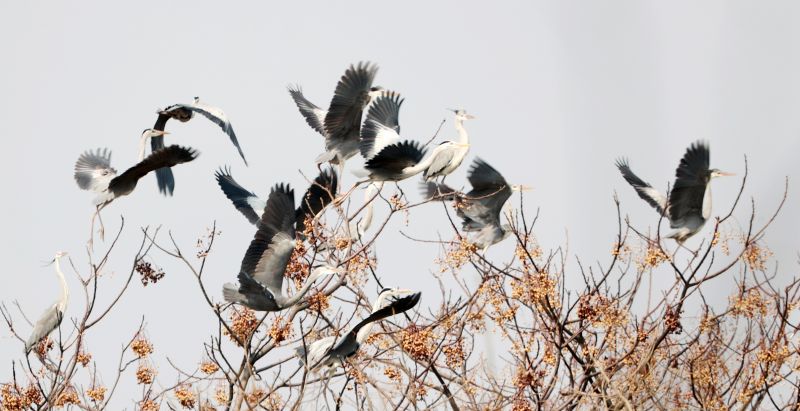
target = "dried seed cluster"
x: 141, y: 347
x: 145, y: 374
x: 148, y: 273
x: 243, y: 324
x: 185, y: 396
x: 97, y: 393
x: 417, y: 342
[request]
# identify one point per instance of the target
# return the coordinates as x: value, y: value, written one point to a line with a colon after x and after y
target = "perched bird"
x: 262, y: 270
x: 327, y: 354
x: 341, y: 123
x: 184, y: 113
x: 480, y: 208
x: 93, y: 172
x: 51, y: 318
x: 319, y: 194
x: 447, y: 156
x: 387, y: 159
x: 689, y: 204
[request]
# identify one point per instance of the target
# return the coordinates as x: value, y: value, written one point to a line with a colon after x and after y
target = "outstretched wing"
x: 343, y: 119
x: 396, y: 157
x: 321, y: 193
x: 645, y: 190
x: 691, y: 178
x: 93, y: 170
x: 349, y: 343
x: 166, y: 157
x: 269, y: 252
x: 489, y: 192
x: 382, y: 126
x: 218, y: 117
x: 244, y: 200
x: 315, y: 116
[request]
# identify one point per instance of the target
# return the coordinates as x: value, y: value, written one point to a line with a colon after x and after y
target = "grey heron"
x: 52, y: 316
x: 328, y: 353
x: 480, y: 208
x: 387, y: 159
x: 689, y: 204
x: 319, y: 194
x: 449, y: 155
x: 341, y: 123
x: 93, y: 172
x: 263, y: 266
x: 184, y: 113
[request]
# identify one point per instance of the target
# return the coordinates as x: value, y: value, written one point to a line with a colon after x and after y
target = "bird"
x: 480, y: 208
x: 326, y: 354
x: 148, y: 134
x: 318, y: 195
x: 386, y: 158
x: 93, y: 172
x: 341, y: 123
x: 263, y: 266
x: 449, y: 155
x: 51, y: 318
x: 689, y: 204
x: 184, y: 113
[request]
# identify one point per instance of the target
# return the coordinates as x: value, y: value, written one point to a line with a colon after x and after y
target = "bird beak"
x: 725, y: 174
x: 162, y: 133
x: 523, y: 187
x: 469, y: 117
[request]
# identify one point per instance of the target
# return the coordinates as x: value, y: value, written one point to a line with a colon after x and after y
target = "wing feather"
x: 315, y: 116
x: 93, y: 170
x: 244, y: 200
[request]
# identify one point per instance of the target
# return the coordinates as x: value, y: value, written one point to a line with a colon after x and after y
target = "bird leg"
x: 102, y: 229
x: 341, y: 199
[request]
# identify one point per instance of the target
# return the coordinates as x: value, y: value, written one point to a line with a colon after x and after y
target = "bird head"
x: 149, y: 133
x: 461, y: 114
x: 714, y: 173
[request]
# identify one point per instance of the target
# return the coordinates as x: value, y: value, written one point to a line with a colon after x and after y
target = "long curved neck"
x: 288, y: 302
x: 363, y: 333
x: 707, y: 202
x: 63, y: 282
x: 463, y: 137
x: 142, y: 142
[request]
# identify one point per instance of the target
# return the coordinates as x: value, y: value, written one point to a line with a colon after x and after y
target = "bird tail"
x: 231, y: 294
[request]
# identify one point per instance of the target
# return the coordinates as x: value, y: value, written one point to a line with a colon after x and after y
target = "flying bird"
x: 184, y: 113
x: 262, y: 270
x: 327, y: 354
x: 319, y: 194
x: 480, y: 208
x: 51, y: 318
x: 386, y: 158
x: 689, y: 204
x: 449, y: 155
x: 93, y: 172
x: 341, y: 123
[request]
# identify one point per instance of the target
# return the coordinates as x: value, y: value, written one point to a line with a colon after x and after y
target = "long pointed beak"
x: 161, y: 133
x: 725, y: 174
x: 470, y: 117
x: 523, y: 187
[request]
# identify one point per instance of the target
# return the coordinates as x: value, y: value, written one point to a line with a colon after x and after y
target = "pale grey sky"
x: 560, y: 90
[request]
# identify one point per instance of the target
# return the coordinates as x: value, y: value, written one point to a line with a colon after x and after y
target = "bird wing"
x: 268, y: 254
x: 691, y: 178
x: 244, y: 200
x: 315, y: 116
x: 645, y: 190
x: 167, y: 157
x: 382, y: 127
x: 436, y: 191
x: 396, y: 157
x: 397, y: 306
x: 218, y: 117
x: 47, y: 322
x: 347, y: 104
x: 164, y: 176
x: 442, y: 156
x: 321, y: 193
x: 489, y: 192
x: 93, y: 170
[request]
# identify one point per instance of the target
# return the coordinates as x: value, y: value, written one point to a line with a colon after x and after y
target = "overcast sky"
x: 560, y: 89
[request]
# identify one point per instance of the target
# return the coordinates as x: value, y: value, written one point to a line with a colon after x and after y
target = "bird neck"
x: 707, y: 202
x: 142, y: 142
x: 363, y: 333
x: 463, y: 137
x: 63, y: 282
